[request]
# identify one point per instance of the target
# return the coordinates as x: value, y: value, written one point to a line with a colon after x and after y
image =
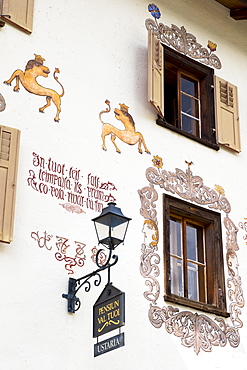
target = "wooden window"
x: 182, y: 92
x: 182, y: 106
x: 9, y: 149
x: 18, y: 12
x: 194, y: 274
x: 189, y: 104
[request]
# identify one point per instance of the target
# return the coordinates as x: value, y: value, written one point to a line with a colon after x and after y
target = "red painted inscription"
x: 65, y: 183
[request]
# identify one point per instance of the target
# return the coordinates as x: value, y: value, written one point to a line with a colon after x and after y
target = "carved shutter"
x: 226, y: 103
x: 19, y: 13
x: 9, y: 149
x: 155, y: 73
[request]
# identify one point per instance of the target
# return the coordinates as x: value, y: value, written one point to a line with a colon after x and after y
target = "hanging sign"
x: 109, y: 344
x: 108, y: 311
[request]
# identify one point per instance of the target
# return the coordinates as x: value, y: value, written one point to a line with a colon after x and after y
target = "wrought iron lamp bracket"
x: 74, y: 302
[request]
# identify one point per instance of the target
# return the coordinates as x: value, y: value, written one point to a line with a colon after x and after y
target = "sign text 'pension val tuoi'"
x: 108, y: 311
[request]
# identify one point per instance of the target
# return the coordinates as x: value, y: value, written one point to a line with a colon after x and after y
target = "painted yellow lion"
x: 34, y: 69
x: 129, y: 135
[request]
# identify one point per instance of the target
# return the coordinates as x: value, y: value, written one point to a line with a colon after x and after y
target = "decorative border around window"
x: 195, y: 330
x: 2, y: 103
x: 181, y: 40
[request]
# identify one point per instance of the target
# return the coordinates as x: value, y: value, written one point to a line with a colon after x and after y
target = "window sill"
x: 196, y: 305
x: 162, y: 123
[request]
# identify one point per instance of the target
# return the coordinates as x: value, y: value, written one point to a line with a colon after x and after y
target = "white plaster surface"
x: 100, y: 47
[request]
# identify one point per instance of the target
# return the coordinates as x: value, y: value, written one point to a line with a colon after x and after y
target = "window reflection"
x: 187, y: 259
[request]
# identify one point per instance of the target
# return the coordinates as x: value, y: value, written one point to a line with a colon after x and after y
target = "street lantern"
x: 111, y: 226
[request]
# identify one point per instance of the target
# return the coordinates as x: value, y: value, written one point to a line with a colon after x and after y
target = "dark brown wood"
x: 201, y: 73
x: 233, y: 4
x: 166, y: 231
x: 163, y: 123
x: 2, y: 23
x: 238, y: 8
x: 215, y: 300
x: 196, y: 305
x: 239, y: 14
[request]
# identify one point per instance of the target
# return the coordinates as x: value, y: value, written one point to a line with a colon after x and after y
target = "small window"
x: 188, y: 98
x: 194, y: 274
x: 186, y: 94
x: 19, y: 13
x: 182, y: 104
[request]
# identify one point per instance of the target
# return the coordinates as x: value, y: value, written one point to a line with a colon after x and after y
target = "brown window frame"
x: 215, y: 299
x: 205, y: 76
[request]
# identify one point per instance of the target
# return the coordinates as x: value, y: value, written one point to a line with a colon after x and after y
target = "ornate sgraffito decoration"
x: 243, y: 225
x: 34, y: 69
x: 2, y: 103
x: 181, y: 40
x: 70, y: 262
x: 42, y: 240
x: 128, y: 135
x: 72, y: 208
x: 62, y: 245
x: 195, y: 330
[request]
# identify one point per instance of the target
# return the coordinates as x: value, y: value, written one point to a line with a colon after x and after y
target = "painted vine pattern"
x: 64, y: 248
x: 195, y: 330
x: 181, y: 40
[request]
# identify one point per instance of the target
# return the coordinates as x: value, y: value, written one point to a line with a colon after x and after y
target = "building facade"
x: 142, y: 105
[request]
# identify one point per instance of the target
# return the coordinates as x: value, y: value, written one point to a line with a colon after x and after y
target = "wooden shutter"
x: 9, y: 149
x: 155, y: 73
x: 227, y: 118
x: 19, y: 13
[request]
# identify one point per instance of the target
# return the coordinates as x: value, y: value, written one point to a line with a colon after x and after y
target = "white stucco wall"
x: 100, y: 48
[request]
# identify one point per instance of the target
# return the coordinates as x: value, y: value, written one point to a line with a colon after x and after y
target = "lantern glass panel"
x: 111, y: 236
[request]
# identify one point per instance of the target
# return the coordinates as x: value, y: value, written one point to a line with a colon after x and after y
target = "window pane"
x: 175, y: 238
x: 194, y: 241
x: 195, y: 252
x: 193, y: 282
x: 190, y: 125
x: 190, y: 106
x: 191, y: 240
x: 176, y: 274
x: 189, y: 86
x: 196, y: 282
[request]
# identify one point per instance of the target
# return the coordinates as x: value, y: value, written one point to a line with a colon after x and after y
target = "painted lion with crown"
x: 34, y: 69
x: 129, y: 135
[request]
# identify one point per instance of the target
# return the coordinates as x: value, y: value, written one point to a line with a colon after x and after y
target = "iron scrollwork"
x: 74, y: 285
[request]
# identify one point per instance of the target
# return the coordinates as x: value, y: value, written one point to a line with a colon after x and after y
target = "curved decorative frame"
x: 2, y: 103
x: 195, y: 330
x: 181, y: 40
